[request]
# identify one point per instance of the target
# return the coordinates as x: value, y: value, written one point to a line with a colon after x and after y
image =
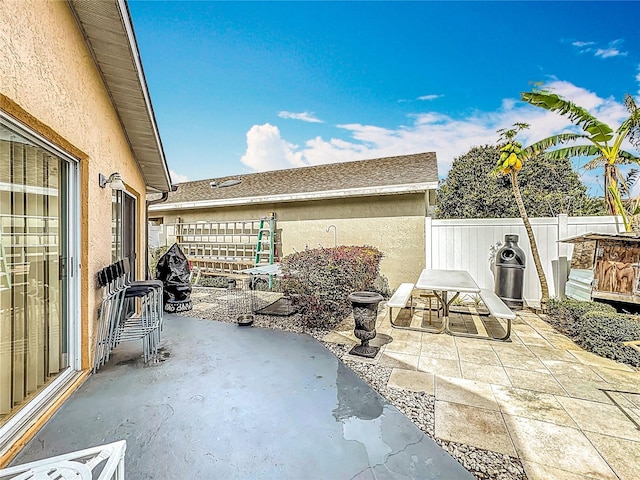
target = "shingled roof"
x: 381, y: 176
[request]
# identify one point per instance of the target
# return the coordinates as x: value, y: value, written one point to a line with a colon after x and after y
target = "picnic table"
x: 443, y: 283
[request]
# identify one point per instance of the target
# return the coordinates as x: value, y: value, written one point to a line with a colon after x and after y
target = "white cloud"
x: 430, y: 97
x: 177, y: 177
x: 609, y: 52
x: 425, y: 132
x: 266, y: 150
x: 304, y: 116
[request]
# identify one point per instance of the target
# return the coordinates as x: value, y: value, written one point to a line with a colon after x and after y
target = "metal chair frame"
x: 115, y: 324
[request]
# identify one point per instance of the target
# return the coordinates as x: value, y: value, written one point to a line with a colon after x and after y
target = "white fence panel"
x: 465, y: 245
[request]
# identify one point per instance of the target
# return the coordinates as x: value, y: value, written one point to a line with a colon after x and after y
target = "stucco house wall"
x: 65, y: 68
x: 48, y: 72
x: 393, y: 222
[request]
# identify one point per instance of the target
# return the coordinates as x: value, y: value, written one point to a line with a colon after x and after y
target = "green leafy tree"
x: 510, y: 162
x: 602, y: 143
x: 548, y: 187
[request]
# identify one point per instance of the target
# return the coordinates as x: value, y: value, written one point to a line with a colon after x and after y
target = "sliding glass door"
x: 123, y: 228
x: 38, y: 231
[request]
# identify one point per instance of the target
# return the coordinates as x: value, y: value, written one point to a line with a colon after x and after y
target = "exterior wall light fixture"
x: 114, y: 180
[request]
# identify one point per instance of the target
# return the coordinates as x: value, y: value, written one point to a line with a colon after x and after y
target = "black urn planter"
x: 365, y: 311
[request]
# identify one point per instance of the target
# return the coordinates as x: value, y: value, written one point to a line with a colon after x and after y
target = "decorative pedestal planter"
x: 174, y: 306
x: 365, y: 311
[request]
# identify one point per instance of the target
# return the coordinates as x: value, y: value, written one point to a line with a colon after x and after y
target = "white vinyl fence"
x: 465, y: 245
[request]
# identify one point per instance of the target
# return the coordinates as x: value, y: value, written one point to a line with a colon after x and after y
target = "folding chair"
x: 117, y: 323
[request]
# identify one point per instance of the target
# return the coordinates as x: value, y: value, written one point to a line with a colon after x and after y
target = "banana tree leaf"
x: 573, y: 151
x: 628, y: 157
x: 600, y: 132
x: 542, y: 145
x: 555, y: 103
x: 594, y: 163
x: 599, y: 128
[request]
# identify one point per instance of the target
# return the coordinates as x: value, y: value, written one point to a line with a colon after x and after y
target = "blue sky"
x: 239, y: 87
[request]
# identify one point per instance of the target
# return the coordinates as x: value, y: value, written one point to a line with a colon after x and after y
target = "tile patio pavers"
x: 538, y: 471
x: 575, y: 370
x: 618, y: 453
x: 441, y: 340
x: 534, y: 341
x: 529, y: 364
x: 539, y: 397
x: 439, y: 351
x: 564, y: 448
x: 466, y: 392
x: 550, y: 353
x: 561, y: 342
x: 534, y: 380
x: 600, y: 418
x: 628, y: 401
x: 412, y: 381
x: 620, y: 380
x: 484, y: 357
x: 441, y: 366
x: 512, y: 349
x: 584, y: 389
x: 473, y: 426
x: 530, y: 404
x: 399, y: 360
x: 592, y: 359
x: 494, y: 374
x: 406, y: 347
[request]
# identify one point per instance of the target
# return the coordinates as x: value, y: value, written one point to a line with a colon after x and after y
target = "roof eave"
x: 299, y: 197
x: 127, y: 88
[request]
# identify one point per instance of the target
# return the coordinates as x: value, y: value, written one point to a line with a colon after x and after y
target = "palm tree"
x: 603, y: 143
x: 512, y: 156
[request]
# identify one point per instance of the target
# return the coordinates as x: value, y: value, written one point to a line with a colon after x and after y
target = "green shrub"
x: 154, y: 255
x: 319, y: 280
x: 603, y: 333
x: 566, y: 315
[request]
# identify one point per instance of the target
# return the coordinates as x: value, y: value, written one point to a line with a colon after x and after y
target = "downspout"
x: 162, y: 199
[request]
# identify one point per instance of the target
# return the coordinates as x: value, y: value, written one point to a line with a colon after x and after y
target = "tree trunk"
x: 613, y: 195
x: 544, y: 286
x: 611, y: 182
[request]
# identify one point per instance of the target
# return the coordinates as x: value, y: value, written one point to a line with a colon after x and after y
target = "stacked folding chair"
x: 130, y: 310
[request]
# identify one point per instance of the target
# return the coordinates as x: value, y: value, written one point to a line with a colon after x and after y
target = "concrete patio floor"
x: 233, y: 402
x: 566, y: 413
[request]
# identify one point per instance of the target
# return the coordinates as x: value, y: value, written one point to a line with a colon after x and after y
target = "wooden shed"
x: 605, y: 266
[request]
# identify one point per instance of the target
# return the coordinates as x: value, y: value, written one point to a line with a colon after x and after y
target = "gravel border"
x: 419, y: 407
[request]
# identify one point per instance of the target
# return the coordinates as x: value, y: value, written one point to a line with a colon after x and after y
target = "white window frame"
x: 17, y: 425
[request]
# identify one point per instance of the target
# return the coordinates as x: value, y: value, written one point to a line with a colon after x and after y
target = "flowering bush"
x: 319, y: 280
